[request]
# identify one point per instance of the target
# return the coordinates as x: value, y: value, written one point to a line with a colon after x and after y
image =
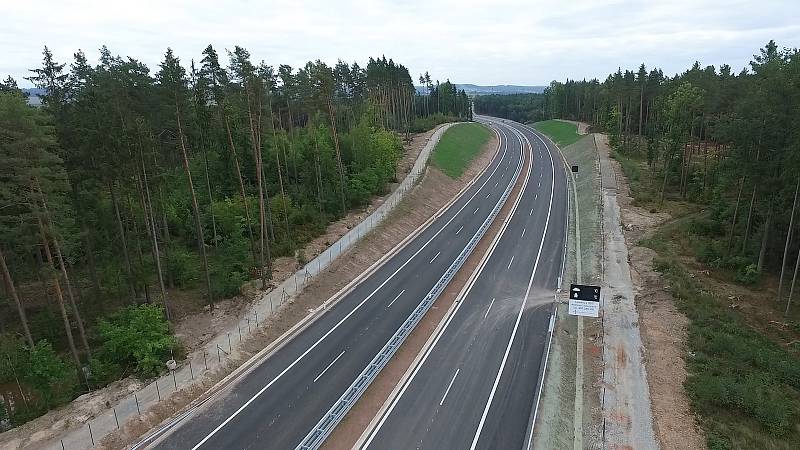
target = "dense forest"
x: 127, y: 189
x: 731, y: 141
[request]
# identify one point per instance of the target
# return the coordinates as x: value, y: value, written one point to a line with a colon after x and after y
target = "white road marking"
x: 448, y: 387
x: 489, y: 194
x: 523, y: 233
x: 459, y: 229
x: 536, y: 196
x: 495, y: 185
x: 489, y: 308
x: 521, y: 309
x: 531, y: 213
x: 353, y: 311
x: 329, y: 366
x: 510, y: 262
x: 476, y: 210
x: 398, y: 296
x: 408, y: 382
x: 434, y: 258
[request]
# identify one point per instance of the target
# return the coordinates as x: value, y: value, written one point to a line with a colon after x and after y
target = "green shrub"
x: 182, y: 265
x: 136, y: 338
x: 48, y: 374
x: 748, y: 275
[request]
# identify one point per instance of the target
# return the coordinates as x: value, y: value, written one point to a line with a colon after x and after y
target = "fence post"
x: 62, y: 444
x: 136, y: 398
x: 191, y: 370
x: 230, y: 348
x: 174, y: 380
x: 91, y: 436
x: 158, y: 391
x: 116, y: 419
x: 205, y: 361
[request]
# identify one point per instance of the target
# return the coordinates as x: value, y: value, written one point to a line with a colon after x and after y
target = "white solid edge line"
x: 315, y: 344
x: 373, y: 432
x: 329, y: 366
x: 448, y: 387
x: 519, y: 315
x: 395, y: 299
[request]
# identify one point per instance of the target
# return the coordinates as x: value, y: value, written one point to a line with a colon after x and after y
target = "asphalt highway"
x: 277, y: 403
x: 476, y: 386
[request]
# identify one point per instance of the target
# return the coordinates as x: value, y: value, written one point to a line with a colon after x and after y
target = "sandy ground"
x: 197, y: 328
x: 357, y: 420
x: 663, y: 328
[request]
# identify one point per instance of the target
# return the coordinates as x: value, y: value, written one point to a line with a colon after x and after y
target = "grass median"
x: 460, y: 144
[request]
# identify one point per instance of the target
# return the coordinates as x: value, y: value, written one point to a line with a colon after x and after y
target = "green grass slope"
x: 459, y: 145
x: 562, y: 133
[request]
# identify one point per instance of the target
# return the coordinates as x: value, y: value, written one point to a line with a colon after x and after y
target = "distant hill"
x: 502, y: 89
x: 33, y: 95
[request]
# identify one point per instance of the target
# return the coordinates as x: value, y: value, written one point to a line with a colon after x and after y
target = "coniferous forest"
x: 709, y: 136
x: 132, y: 185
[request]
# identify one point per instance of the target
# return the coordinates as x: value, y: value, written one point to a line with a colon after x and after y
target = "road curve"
x: 278, y: 402
x: 476, y: 385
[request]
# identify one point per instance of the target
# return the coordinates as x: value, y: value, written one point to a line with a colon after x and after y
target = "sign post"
x: 584, y: 300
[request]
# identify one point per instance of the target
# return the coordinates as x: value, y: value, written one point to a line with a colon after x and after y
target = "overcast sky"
x: 488, y: 42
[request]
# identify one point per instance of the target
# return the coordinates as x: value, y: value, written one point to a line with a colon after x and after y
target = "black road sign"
x: 584, y: 292
x: 574, y: 169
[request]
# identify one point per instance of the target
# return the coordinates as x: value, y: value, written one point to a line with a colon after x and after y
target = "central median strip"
x: 328, y: 422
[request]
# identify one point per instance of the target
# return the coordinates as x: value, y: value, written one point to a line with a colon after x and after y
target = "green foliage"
x: 136, y: 338
x: 425, y: 123
x: 562, y: 133
x: 746, y: 387
x: 458, y: 146
x: 48, y: 374
x: 523, y: 108
x: 748, y: 274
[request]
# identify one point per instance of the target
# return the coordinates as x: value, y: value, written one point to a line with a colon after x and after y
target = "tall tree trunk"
x: 764, y: 239
x: 791, y: 289
x: 195, y: 207
x: 59, y: 295
x: 749, y: 218
x: 12, y: 290
x: 151, y: 224
x: 788, y: 241
x: 735, y: 214
x: 124, y: 239
x: 63, y: 268
x: 241, y: 189
x: 210, y: 198
x: 338, y: 155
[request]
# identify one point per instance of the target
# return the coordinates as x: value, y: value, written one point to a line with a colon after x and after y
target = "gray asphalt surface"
x: 476, y: 386
x: 277, y: 404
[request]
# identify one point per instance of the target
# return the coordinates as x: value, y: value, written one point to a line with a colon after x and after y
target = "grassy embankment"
x: 558, y: 407
x: 459, y: 145
x: 744, y: 366
x: 562, y: 133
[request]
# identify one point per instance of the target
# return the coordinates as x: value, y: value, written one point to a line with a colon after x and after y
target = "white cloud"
x: 485, y: 42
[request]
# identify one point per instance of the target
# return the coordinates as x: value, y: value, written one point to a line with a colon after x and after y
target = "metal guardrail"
x: 325, y: 426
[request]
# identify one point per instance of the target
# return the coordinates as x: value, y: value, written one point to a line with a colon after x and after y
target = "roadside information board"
x: 584, y: 300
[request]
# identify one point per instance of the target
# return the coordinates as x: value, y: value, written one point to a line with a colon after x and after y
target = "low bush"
x: 137, y: 339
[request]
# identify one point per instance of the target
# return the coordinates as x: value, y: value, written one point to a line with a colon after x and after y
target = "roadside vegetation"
x: 131, y: 199
x: 562, y: 133
x: 717, y: 151
x: 458, y: 147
